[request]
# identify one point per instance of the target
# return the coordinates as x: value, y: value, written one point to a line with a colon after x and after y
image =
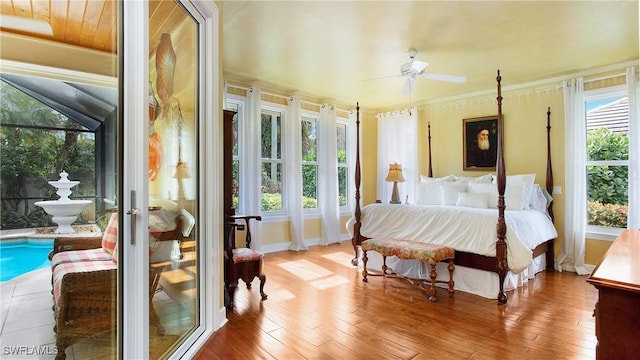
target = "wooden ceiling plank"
x: 58, y: 19
x: 75, y: 15
x: 105, y: 39
x: 92, y: 14
x: 157, y: 22
x: 22, y: 8
x: 153, y: 6
x: 6, y: 7
x: 40, y: 9
x: 171, y: 20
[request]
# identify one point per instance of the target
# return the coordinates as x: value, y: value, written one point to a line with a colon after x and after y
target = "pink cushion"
x: 246, y: 254
x: 110, y: 237
x: 74, y: 267
x: 98, y: 254
x: 114, y: 256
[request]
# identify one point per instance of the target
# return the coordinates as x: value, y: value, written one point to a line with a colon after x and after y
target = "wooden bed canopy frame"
x: 497, y: 264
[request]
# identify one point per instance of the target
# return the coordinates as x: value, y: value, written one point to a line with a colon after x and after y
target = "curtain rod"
x: 286, y: 97
x: 605, y: 77
x: 613, y: 76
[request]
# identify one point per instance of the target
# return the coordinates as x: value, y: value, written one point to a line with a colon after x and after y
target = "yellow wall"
x: 594, y: 250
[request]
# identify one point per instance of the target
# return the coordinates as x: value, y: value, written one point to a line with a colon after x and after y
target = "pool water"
x: 21, y: 256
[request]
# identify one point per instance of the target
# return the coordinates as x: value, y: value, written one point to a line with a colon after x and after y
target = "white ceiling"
x: 327, y: 49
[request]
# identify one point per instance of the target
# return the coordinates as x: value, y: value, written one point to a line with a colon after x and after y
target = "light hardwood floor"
x: 319, y: 308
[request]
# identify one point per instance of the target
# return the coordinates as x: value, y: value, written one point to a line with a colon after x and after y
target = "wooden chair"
x: 241, y: 263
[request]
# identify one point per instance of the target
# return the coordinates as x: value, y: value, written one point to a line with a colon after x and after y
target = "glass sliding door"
x: 128, y: 118
x: 168, y: 105
x: 174, y: 121
x: 69, y: 122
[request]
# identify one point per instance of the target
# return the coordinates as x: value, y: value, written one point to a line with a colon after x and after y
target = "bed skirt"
x: 478, y: 282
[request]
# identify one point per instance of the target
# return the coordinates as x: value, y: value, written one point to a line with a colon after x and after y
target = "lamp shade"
x: 181, y: 171
x: 395, y: 173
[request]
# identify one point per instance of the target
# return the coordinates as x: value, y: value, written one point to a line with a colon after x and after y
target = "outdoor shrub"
x: 271, y: 202
x: 309, y: 203
x: 607, y: 214
x: 607, y: 184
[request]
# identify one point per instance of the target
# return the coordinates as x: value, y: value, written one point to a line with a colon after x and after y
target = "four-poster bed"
x: 527, y: 234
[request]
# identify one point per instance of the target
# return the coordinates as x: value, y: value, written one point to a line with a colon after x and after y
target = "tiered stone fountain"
x: 63, y: 211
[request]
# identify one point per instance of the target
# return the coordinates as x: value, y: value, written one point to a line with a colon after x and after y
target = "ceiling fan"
x: 416, y: 68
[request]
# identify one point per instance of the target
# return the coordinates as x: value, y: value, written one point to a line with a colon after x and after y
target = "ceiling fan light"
x: 418, y: 66
x: 26, y: 25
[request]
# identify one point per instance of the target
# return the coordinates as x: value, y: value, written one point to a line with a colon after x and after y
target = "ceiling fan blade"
x: 445, y: 77
x: 418, y: 66
x: 383, y: 77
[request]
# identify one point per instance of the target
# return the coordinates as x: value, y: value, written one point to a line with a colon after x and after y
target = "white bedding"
x: 463, y: 228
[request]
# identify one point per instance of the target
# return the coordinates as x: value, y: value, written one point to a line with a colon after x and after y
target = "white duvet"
x: 462, y: 228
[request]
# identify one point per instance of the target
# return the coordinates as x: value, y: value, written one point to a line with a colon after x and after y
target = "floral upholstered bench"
x: 404, y: 249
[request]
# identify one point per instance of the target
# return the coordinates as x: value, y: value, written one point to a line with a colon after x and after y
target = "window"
x: 237, y: 107
x: 272, y: 164
x: 607, y: 159
x: 309, y: 131
x: 343, y: 167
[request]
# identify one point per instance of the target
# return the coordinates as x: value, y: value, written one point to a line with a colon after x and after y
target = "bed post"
x: 549, y: 185
x: 430, y: 173
x: 501, y: 227
x: 355, y: 241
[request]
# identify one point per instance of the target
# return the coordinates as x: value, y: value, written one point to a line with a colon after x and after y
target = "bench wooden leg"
x: 364, y: 265
x: 451, y: 267
x: 433, y: 275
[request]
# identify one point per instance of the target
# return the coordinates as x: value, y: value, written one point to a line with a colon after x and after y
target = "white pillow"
x: 517, y: 196
x: 450, y: 192
x: 426, y: 179
x: 522, y: 178
x: 529, y: 181
x: 526, y: 178
x: 538, y: 199
x: 428, y: 194
x: 485, y: 179
x: 476, y: 200
x: 490, y: 189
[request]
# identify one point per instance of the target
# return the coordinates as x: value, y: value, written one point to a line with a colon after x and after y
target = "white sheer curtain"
x: 328, y: 176
x: 573, y: 246
x: 250, y: 183
x: 293, y: 174
x: 398, y: 142
x: 633, y: 215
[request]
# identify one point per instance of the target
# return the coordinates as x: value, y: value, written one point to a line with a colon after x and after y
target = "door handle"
x: 133, y: 212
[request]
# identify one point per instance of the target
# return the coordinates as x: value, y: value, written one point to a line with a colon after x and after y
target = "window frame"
x: 347, y: 207
x: 282, y: 112
x: 316, y: 119
x: 598, y: 232
x: 240, y: 104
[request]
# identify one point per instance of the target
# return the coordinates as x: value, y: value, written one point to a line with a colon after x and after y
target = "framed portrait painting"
x: 480, y: 143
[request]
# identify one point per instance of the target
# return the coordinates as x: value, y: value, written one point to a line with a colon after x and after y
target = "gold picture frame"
x: 480, y: 143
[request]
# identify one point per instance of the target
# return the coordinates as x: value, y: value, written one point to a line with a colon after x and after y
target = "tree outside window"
x: 608, y: 161
x: 309, y: 131
x: 343, y: 168
x: 271, y: 150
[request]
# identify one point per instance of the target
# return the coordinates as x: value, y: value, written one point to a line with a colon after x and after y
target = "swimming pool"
x: 20, y: 256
